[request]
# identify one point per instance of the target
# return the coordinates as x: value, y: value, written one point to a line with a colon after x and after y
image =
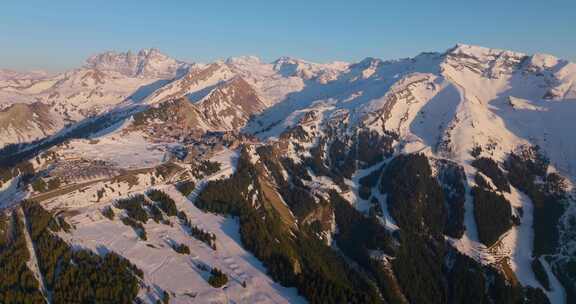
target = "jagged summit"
x: 479, y: 51
x: 483, y: 55
x: 537, y: 60
x: 147, y: 63
x: 494, y: 63
x: 540, y: 59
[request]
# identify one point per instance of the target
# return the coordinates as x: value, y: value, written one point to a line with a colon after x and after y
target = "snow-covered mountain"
x: 107, y: 81
x: 442, y: 178
x: 17, y: 76
x: 447, y: 102
x: 147, y: 63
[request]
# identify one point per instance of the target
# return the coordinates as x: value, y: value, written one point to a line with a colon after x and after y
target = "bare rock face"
x: 230, y: 105
x: 225, y: 108
x: 490, y: 63
x: 147, y: 63
x: 27, y: 122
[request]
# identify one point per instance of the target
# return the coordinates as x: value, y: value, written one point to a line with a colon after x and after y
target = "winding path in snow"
x: 33, y: 262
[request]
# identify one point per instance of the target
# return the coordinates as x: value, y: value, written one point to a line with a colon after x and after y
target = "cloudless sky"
x: 61, y: 34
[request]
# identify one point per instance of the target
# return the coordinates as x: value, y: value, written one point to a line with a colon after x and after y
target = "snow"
x: 557, y: 293
x: 469, y: 243
x: 482, y: 52
x: 39, y: 86
x: 32, y: 263
x: 179, y: 274
x: 548, y: 125
x: 149, y: 63
x: 129, y: 151
x: 442, y: 105
x: 7, y: 75
x: 389, y: 222
x: 272, y: 86
x: 197, y: 79
x: 103, y: 84
x: 353, y: 197
x: 10, y: 193
x: 544, y: 61
x: 228, y: 160
x: 518, y: 243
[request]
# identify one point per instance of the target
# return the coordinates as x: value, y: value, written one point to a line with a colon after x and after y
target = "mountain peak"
x: 491, y: 63
x: 481, y: 52
x: 543, y: 60
x: 368, y: 62
x: 147, y: 63
x: 150, y: 52
x: 244, y: 60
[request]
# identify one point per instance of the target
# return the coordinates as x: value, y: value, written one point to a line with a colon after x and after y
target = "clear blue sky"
x: 60, y: 34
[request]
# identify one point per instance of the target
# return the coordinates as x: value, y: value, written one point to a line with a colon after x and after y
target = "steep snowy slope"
x: 198, y: 79
x: 447, y: 105
x: 448, y: 102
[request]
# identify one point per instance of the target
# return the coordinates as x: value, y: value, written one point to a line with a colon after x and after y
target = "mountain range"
x: 442, y: 178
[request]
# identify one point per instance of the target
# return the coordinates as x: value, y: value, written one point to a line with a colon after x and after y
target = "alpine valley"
x: 139, y: 178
